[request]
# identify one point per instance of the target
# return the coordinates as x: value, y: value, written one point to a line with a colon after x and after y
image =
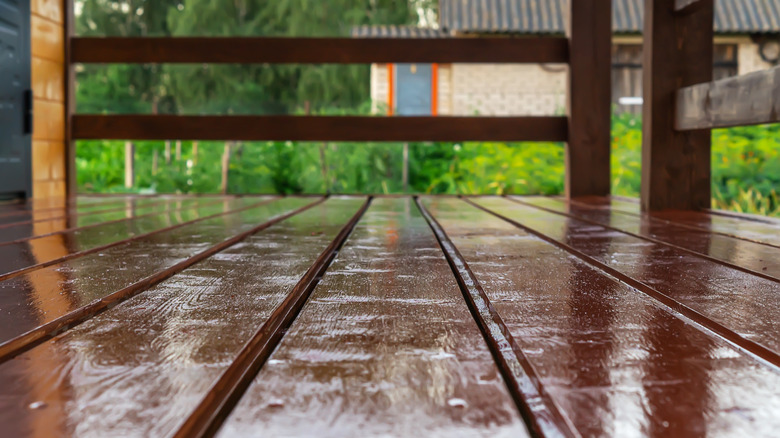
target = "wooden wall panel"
x: 48, y: 84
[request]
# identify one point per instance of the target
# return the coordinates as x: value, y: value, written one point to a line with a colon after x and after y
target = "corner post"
x: 677, y: 53
x: 589, y: 98
x: 70, y: 103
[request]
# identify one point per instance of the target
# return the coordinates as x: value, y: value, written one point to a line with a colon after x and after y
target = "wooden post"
x: 71, y: 184
x: 178, y: 150
x: 589, y: 92
x: 195, y: 152
x: 225, y: 168
x: 324, y: 166
x: 677, y: 53
x: 155, y: 162
x: 167, y: 152
x: 129, y: 164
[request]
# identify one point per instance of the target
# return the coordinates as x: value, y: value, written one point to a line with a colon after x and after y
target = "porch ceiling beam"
x: 319, y: 128
x: 749, y: 99
x: 318, y: 50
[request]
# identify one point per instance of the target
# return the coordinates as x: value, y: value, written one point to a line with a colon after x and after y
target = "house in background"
x: 746, y: 40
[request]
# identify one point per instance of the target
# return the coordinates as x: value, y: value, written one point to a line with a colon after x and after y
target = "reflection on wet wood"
x: 100, y: 280
x: 384, y: 347
x: 141, y: 367
x: 765, y: 231
x: 742, y: 308
x: 83, y: 241
x: 551, y: 319
x: 754, y: 258
x: 615, y: 361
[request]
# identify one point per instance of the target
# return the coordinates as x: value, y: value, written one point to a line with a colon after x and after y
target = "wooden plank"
x: 319, y: 128
x: 139, y: 368
x: 615, y: 362
x: 589, y: 105
x: 69, y: 221
x: 388, y: 323
x: 742, y: 308
x: 88, y: 240
x: 749, y: 99
x: 262, y: 50
x: 99, y: 281
x: 749, y: 257
x: 677, y: 53
x: 69, y: 73
x: 763, y: 232
x: 65, y: 213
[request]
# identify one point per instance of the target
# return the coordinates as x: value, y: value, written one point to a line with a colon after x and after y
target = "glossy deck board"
x: 141, y: 367
x: 760, y: 230
x: 612, y: 358
x: 385, y: 346
x: 64, y: 222
x: 744, y: 303
x: 756, y: 257
x: 544, y: 318
x: 16, y: 256
x: 45, y: 294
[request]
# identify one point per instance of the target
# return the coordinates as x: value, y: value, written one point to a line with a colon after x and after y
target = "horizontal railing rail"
x: 245, y: 50
x: 319, y: 128
x: 749, y: 99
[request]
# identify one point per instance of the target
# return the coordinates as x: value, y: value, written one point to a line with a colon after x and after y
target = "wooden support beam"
x: 129, y: 165
x: 589, y: 105
x: 749, y: 99
x: 243, y: 50
x: 320, y: 128
x: 677, y: 53
x: 69, y: 73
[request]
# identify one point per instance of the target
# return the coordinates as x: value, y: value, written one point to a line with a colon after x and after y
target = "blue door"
x: 413, y: 89
x: 15, y: 99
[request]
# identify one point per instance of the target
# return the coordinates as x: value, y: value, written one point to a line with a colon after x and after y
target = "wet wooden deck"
x: 391, y: 316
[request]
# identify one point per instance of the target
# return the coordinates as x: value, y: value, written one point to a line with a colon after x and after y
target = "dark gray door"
x: 15, y: 99
x: 413, y: 83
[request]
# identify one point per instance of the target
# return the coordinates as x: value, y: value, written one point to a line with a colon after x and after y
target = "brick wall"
x: 749, y: 59
x: 489, y: 89
x: 48, y: 58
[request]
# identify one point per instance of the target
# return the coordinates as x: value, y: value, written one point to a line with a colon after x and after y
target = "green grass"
x: 745, y: 167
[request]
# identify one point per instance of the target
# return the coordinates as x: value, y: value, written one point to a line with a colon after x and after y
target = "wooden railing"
x: 585, y: 128
x: 682, y: 103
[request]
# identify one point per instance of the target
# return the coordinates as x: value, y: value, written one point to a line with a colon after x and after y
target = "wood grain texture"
x: 141, y: 367
x: 614, y: 361
x: 388, y: 325
x: 104, y: 279
x: 678, y: 52
x: 589, y: 98
x: 319, y: 128
x: 749, y: 257
x: 246, y: 50
x: 750, y: 322
x: 763, y: 232
x: 91, y: 239
x: 749, y: 99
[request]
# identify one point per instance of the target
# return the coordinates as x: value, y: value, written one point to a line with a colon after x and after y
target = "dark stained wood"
x: 245, y: 50
x: 139, y: 368
x: 759, y: 230
x: 589, y: 98
x: 708, y: 297
x: 208, y: 416
x: 750, y: 257
x: 677, y: 53
x: 50, y: 222
x: 539, y: 411
x: 89, y: 240
x: 749, y: 99
x: 103, y: 280
x: 387, y: 321
x: 319, y: 128
x: 615, y: 362
x: 684, y: 6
